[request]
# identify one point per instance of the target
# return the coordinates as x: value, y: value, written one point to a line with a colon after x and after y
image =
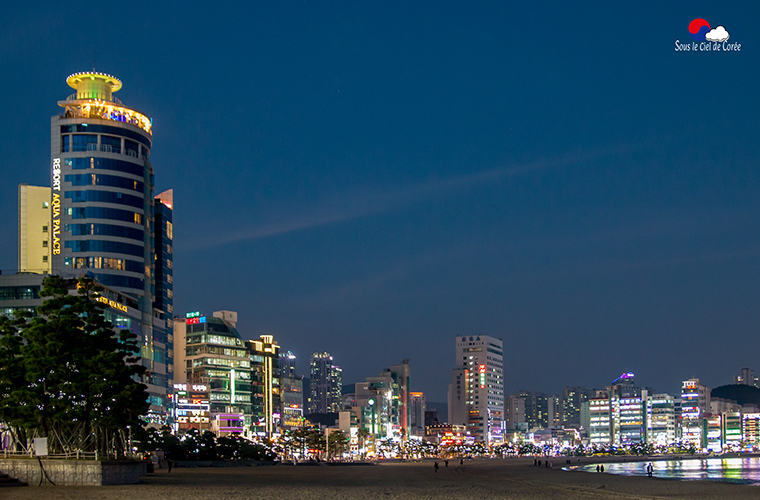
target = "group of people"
x: 547, y: 464
x: 446, y: 464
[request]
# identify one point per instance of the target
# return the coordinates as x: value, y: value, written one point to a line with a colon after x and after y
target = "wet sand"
x: 477, y: 479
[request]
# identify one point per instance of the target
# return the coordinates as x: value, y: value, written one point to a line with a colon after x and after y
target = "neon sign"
x: 195, y: 321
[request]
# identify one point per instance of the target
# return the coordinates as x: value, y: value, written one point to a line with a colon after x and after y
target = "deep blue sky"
x: 374, y: 179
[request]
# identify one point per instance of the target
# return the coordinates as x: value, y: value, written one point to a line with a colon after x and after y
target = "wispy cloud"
x: 367, y: 203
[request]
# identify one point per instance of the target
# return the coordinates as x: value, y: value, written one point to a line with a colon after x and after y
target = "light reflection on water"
x: 735, y: 470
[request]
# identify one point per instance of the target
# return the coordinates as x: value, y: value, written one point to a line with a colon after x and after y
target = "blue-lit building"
x: 105, y: 219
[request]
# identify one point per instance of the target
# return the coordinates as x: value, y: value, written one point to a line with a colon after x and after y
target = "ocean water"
x: 735, y: 470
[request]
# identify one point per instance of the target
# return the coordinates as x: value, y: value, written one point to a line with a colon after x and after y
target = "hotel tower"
x: 106, y: 220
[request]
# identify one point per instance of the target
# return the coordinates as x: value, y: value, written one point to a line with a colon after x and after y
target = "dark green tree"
x: 79, y: 385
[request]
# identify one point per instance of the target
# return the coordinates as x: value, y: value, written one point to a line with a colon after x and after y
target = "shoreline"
x: 513, y: 478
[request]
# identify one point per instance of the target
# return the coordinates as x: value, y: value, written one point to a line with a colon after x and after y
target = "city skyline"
x: 374, y: 182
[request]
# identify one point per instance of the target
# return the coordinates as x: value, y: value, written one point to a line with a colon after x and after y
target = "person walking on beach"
x: 650, y: 469
x: 435, y: 466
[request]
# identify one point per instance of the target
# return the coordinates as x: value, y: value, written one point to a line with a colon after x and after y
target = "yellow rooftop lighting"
x: 93, y: 85
x: 77, y: 78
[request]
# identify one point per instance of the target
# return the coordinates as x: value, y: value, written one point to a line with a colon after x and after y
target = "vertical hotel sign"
x: 55, y: 204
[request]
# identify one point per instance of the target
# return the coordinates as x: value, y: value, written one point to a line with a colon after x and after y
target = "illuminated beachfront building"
x: 661, y: 420
x: 751, y: 429
x: 265, y: 385
x: 476, y: 395
x: 600, y: 417
x: 695, y: 402
x: 105, y: 220
x: 214, y: 354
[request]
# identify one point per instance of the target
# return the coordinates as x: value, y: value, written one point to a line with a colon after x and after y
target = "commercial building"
x: 265, y: 385
x: 476, y: 395
x: 326, y: 381
x: 104, y: 219
x: 214, y: 355
x: 291, y: 386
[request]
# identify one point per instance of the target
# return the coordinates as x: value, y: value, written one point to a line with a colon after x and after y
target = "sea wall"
x: 73, y: 472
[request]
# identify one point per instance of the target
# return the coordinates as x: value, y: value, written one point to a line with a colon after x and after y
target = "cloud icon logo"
x: 718, y: 34
x: 698, y: 28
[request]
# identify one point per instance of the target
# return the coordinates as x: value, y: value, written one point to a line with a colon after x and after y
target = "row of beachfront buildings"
x: 624, y: 414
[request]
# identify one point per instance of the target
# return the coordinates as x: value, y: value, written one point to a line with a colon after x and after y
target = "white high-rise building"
x: 476, y: 395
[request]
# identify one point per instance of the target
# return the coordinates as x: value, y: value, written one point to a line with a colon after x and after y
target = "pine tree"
x: 74, y: 377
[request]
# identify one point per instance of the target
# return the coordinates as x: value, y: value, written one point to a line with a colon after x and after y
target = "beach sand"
x: 476, y: 479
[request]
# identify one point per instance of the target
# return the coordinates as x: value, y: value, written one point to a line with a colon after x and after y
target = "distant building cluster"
x: 625, y: 414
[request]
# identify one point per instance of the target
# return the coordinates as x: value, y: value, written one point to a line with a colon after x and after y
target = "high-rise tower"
x: 104, y: 218
x: 476, y: 394
x: 325, y: 384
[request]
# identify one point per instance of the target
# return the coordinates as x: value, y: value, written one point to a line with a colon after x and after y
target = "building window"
x: 44, y: 229
x: 44, y: 244
x: 45, y: 204
x: 44, y: 258
x: 169, y: 230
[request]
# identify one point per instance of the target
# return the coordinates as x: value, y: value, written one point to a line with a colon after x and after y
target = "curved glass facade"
x: 78, y: 246
x: 127, y: 167
x: 105, y: 129
x: 105, y: 230
x: 104, y: 180
x: 105, y: 213
x: 105, y: 197
x: 107, y: 263
x: 112, y: 280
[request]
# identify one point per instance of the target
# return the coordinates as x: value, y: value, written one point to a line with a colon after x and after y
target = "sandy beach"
x: 509, y: 478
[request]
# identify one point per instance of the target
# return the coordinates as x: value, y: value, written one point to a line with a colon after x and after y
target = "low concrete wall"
x: 73, y: 472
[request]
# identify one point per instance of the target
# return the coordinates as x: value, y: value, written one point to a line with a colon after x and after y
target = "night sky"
x: 373, y: 179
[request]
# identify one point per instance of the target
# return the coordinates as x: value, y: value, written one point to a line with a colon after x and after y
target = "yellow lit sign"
x: 56, y: 206
x: 112, y: 303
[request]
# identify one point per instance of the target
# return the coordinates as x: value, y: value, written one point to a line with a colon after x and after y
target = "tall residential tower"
x: 476, y: 395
